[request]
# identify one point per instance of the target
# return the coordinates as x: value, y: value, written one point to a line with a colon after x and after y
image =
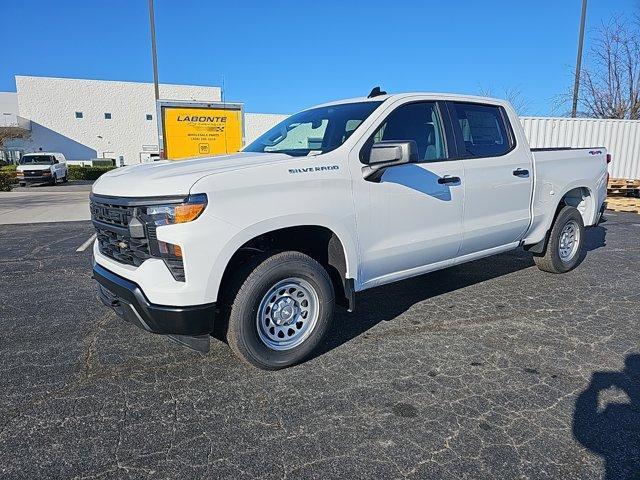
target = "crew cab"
x: 42, y: 167
x: 258, y: 247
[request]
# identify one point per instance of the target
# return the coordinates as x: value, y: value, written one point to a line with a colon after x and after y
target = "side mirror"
x: 388, y: 154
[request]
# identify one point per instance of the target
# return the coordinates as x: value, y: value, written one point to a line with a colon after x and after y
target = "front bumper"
x: 129, y: 301
x: 35, y: 180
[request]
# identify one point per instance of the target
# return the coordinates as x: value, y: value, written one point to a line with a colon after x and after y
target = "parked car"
x: 257, y: 247
x: 42, y: 167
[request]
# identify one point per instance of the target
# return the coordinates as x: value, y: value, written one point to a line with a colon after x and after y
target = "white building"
x: 87, y: 119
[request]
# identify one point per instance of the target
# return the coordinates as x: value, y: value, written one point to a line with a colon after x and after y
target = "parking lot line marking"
x: 88, y: 242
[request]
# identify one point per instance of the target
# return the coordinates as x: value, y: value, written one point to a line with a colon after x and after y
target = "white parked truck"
x: 258, y: 246
x: 42, y: 167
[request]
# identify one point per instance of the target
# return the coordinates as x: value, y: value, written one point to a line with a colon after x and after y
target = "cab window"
x: 419, y: 122
x: 302, y: 136
x: 482, y: 129
x: 318, y: 130
x: 36, y: 160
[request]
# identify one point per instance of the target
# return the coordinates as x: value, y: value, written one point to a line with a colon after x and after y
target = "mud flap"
x: 200, y: 343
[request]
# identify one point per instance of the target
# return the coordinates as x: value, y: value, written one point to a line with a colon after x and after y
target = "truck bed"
x: 564, y: 171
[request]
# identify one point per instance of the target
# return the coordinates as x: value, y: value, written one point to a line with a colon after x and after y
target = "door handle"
x: 521, y: 172
x: 448, y: 179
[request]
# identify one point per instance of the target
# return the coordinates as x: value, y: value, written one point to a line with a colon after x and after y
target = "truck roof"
x: 434, y: 95
x: 41, y: 153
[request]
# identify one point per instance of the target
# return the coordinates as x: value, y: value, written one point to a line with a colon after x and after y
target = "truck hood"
x: 171, y: 177
x: 35, y: 168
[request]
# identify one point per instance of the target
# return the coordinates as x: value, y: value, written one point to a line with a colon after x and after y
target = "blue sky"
x: 281, y: 56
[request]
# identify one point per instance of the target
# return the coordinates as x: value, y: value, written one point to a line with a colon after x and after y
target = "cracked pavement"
x: 492, y: 369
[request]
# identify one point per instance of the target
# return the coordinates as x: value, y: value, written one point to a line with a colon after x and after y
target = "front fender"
x: 269, y: 225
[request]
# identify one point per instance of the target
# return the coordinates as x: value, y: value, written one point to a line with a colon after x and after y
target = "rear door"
x: 498, y: 177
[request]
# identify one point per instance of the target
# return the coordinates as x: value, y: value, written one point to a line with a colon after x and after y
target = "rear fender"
x: 536, y: 240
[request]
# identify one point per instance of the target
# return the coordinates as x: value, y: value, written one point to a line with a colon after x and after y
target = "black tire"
x: 65, y: 179
x: 251, y: 285
x: 54, y: 180
x: 550, y: 260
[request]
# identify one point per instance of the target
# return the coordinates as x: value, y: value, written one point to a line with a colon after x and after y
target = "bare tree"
x: 10, y: 133
x: 512, y: 94
x: 610, y: 83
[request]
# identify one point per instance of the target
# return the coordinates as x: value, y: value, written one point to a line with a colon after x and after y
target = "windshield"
x: 36, y: 160
x: 318, y: 130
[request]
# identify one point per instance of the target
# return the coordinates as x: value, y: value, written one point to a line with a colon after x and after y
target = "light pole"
x: 576, y: 85
x: 154, y: 56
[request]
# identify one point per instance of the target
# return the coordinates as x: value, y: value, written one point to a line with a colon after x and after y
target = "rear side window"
x: 483, y: 130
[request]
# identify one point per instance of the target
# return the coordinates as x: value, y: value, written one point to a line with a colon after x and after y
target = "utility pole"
x: 154, y: 56
x: 576, y: 85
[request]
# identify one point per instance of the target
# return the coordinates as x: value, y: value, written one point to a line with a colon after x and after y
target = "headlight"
x: 171, y: 214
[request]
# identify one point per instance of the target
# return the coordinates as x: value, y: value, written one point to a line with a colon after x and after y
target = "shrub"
x: 77, y: 172
x: 7, y: 180
x: 8, y: 168
x: 102, y: 163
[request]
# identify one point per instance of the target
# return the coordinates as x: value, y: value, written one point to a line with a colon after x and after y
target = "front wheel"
x: 565, y: 248
x: 281, y: 311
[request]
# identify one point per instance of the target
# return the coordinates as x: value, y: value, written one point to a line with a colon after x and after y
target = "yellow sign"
x: 193, y: 132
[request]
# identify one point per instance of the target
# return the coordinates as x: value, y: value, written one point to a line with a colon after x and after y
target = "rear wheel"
x: 565, y: 248
x: 281, y: 310
x: 65, y: 179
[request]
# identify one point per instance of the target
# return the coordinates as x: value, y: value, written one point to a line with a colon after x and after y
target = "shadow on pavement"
x: 611, y: 429
x: 596, y: 238
x: 70, y: 186
x: 387, y: 302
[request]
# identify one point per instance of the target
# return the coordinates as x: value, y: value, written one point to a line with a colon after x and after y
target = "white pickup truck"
x: 258, y: 246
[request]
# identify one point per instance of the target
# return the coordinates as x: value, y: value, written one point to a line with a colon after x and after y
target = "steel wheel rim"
x: 287, y: 314
x: 569, y: 241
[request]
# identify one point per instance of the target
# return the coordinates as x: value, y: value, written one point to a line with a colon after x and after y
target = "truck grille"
x: 111, y: 221
x: 118, y: 215
x: 112, y: 229
x: 123, y: 248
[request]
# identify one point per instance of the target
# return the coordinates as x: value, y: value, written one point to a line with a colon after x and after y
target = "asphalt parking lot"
x: 487, y: 370
x: 66, y: 202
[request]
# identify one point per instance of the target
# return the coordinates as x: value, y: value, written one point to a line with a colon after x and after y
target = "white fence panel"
x: 620, y: 137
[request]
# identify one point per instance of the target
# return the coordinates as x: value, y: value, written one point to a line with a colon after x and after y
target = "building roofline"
x: 114, y: 81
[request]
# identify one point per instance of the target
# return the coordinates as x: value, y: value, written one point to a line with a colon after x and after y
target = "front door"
x: 58, y: 168
x: 498, y: 177
x: 410, y: 221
